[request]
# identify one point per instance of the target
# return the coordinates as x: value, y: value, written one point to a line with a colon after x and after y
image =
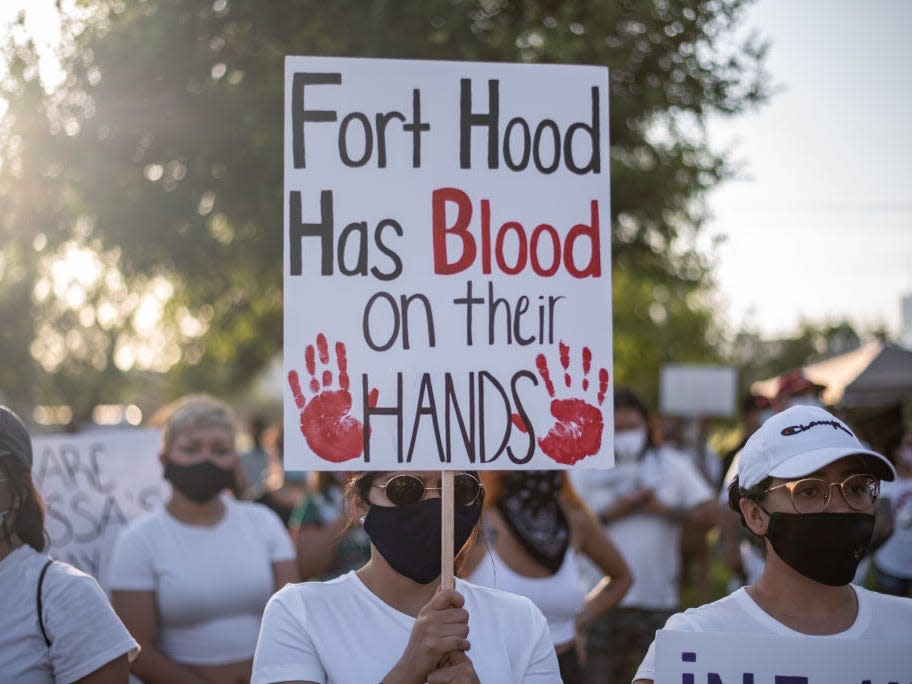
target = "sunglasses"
x: 410, y: 489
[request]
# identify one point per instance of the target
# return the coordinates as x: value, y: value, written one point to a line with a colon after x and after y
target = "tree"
x: 166, y: 141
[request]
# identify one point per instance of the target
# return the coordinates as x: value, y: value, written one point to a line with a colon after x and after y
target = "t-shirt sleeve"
x: 285, y: 651
x: 543, y: 667
x: 278, y: 540
x: 679, y: 622
x: 84, y: 630
x: 132, y: 562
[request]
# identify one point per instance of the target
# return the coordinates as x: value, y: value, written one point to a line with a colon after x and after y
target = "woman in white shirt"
x: 389, y: 621
x: 535, y: 526
x: 56, y: 624
x: 191, y: 579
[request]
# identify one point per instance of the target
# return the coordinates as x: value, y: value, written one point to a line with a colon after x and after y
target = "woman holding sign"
x: 807, y: 486
x: 535, y: 527
x: 55, y: 622
x: 191, y: 579
x: 389, y: 621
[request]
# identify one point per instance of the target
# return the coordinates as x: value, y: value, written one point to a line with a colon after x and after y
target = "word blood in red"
x: 539, y: 248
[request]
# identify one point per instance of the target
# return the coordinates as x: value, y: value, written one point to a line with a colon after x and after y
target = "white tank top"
x: 558, y: 597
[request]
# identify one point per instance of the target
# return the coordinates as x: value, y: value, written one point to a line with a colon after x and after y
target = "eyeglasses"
x: 410, y: 489
x: 812, y: 495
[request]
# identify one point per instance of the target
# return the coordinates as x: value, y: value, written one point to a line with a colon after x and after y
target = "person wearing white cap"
x: 56, y: 624
x: 807, y: 486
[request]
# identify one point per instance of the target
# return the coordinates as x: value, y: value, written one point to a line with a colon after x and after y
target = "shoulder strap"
x: 39, y: 601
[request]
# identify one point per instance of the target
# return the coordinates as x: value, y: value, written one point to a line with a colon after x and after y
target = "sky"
x: 818, y: 225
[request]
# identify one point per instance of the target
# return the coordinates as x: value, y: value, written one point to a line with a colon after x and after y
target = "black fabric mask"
x: 409, y: 536
x: 199, y: 482
x: 824, y: 547
x: 531, y: 509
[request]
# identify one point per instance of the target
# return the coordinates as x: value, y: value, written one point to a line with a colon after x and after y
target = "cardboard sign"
x: 695, y: 390
x: 447, y: 266
x: 728, y: 658
x: 92, y: 484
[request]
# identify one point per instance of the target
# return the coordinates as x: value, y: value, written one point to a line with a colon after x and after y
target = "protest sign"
x: 693, y: 390
x: 447, y: 265
x: 729, y: 658
x: 93, y: 483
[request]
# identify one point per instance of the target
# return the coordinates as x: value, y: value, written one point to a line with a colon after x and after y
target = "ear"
x: 162, y: 458
x: 757, y: 521
x: 359, y: 507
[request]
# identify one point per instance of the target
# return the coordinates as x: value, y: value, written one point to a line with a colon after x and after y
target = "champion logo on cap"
x: 798, y: 429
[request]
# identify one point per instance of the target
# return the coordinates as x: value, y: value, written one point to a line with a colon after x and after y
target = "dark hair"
x: 626, y: 398
x: 28, y: 506
x: 755, y: 493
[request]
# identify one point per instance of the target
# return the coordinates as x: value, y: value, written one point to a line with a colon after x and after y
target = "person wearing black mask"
x: 191, y: 579
x: 389, y: 620
x: 536, y: 531
x: 807, y: 486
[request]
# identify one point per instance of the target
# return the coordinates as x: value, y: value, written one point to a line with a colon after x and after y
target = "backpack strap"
x: 39, y: 601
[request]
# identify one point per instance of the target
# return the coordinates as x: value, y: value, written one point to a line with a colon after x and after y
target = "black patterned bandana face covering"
x: 529, y: 503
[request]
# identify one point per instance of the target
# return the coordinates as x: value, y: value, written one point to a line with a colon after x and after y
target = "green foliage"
x: 166, y: 140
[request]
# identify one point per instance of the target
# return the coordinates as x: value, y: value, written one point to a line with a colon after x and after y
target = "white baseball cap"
x: 799, y: 441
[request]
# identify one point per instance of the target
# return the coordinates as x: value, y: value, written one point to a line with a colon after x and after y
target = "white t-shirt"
x: 649, y: 543
x: 339, y: 632
x: 880, y: 618
x: 895, y: 556
x: 85, y: 632
x: 211, y: 583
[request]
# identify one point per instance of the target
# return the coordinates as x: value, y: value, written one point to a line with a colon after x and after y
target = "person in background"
x: 535, y: 526
x: 56, y: 624
x: 191, y: 578
x: 390, y: 621
x: 807, y: 486
x: 796, y: 389
x: 641, y: 503
x: 255, y: 464
x: 893, y: 561
x: 327, y: 544
x: 742, y: 552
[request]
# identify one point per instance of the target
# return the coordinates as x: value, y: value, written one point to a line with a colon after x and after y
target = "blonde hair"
x: 193, y: 411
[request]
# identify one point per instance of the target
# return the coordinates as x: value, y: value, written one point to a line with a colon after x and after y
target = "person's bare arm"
x: 116, y: 671
x: 285, y: 572
x: 316, y: 546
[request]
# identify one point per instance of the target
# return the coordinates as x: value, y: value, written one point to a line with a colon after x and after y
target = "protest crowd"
x: 238, y: 576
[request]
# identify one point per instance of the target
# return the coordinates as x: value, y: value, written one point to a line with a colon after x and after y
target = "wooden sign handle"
x: 447, y: 552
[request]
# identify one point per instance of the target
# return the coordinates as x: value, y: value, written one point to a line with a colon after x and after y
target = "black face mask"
x: 824, y: 547
x: 409, y: 536
x: 530, y: 506
x: 199, y: 482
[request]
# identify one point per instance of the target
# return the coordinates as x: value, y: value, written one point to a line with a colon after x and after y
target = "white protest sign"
x: 729, y: 658
x: 447, y: 279
x: 93, y: 483
x: 694, y: 390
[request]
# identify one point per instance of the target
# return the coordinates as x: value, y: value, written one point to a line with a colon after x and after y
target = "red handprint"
x: 578, y: 430
x: 330, y: 431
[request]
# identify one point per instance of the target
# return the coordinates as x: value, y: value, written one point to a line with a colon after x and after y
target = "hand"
x: 650, y: 503
x: 457, y: 670
x: 441, y: 629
